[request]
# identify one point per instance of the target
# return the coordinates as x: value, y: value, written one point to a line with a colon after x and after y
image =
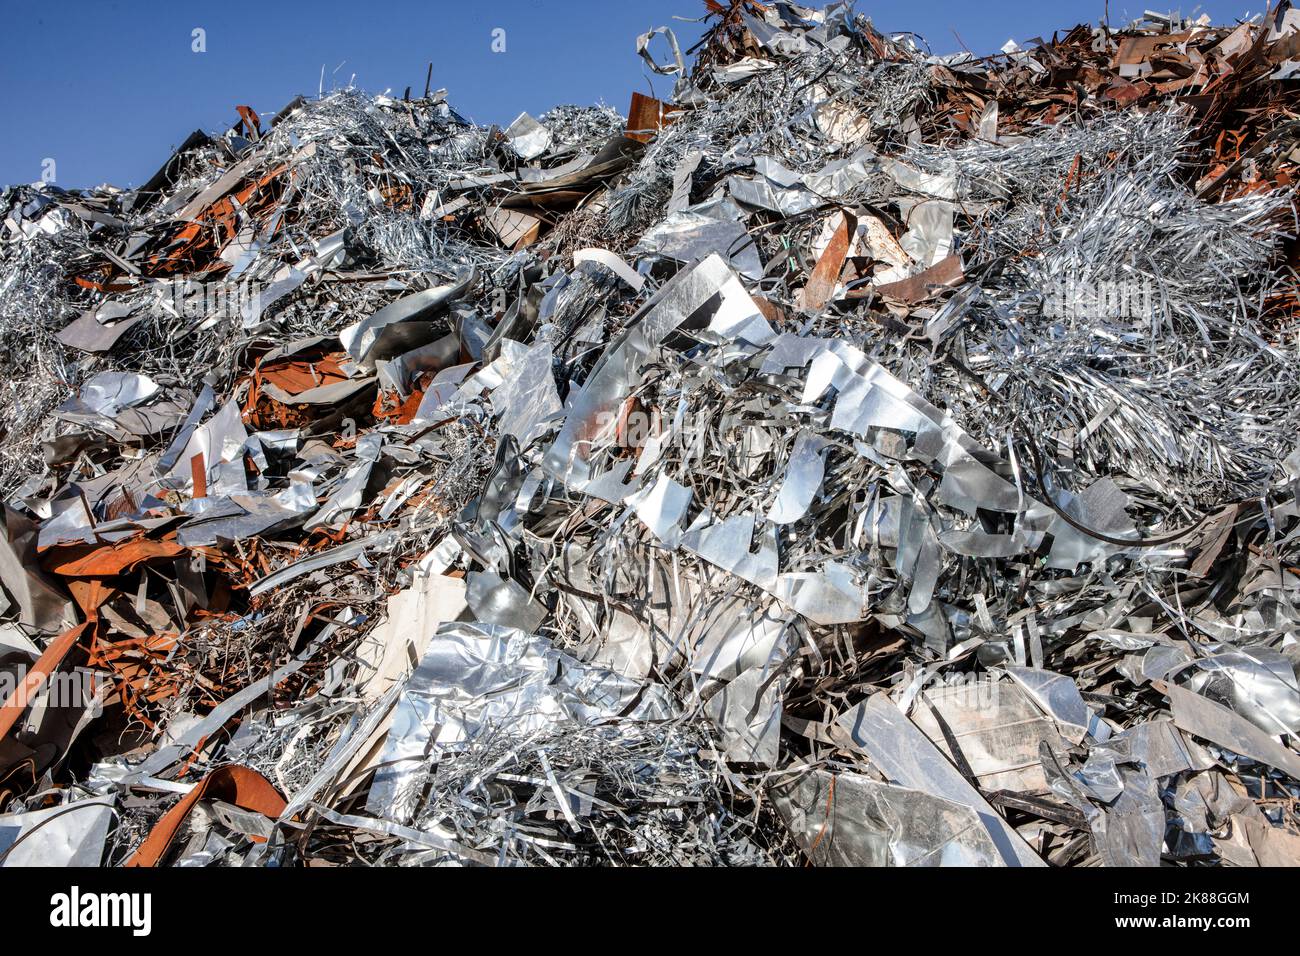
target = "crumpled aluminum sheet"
x: 903, y: 753
x: 69, y: 835
x: 694, y: 232
x: 475, y: 677
x: 527, y: 137
x: 846, y: 819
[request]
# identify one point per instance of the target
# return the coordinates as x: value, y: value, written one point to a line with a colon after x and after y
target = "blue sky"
x: 107, y: 89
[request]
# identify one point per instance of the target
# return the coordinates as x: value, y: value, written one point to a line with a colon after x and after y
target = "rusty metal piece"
x: 244, y: 788
x: 646, y: 116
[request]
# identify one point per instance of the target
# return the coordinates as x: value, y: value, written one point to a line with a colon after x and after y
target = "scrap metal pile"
x: 862, y: 457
